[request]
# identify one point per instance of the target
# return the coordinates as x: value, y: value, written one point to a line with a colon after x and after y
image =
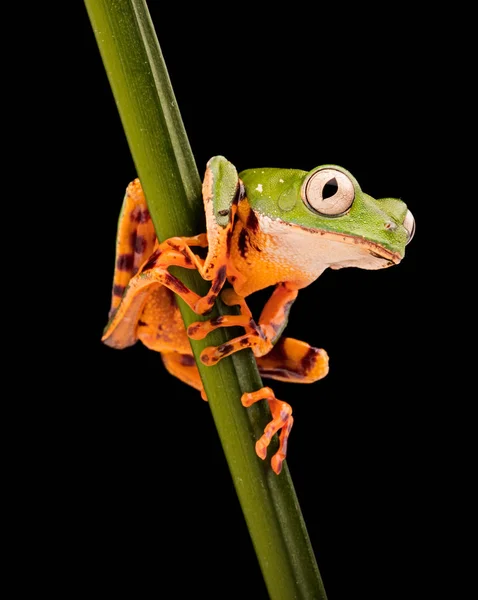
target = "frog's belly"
x: 263, y: 259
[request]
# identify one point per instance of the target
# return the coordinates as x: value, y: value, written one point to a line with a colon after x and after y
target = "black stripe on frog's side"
x: 242, y: 242
x: 252, y: 222
x: 228, y: 242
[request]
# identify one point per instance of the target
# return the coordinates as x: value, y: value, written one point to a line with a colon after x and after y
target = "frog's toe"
x: 204, y: 305
x: 282, y: 420
x: 276, y: 463
x: 261, y: 448
x: 209, y: 356
x: 198, y: 330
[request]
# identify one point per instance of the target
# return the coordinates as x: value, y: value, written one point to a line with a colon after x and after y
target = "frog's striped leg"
x: 121, y: 330
x: 281, y: 419
x: 137, y: 248
x: 136, y: 239
x: 259, y: 337
x: 294, y: 361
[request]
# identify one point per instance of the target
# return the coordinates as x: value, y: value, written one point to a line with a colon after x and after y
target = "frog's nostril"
x: 409, y: 224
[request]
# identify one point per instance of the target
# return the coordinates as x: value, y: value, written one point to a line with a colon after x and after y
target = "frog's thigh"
x: 183, y: 366
x: 294, y: 361
x: 160, y: 327
x: 135, y: 241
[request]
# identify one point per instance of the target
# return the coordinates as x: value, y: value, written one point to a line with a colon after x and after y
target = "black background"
x: 148, y: 494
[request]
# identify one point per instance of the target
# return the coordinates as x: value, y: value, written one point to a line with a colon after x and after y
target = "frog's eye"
x: 409, y: 224
x: 329, y: 192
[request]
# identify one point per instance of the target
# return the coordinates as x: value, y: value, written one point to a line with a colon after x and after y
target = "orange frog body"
x: 265, y: 227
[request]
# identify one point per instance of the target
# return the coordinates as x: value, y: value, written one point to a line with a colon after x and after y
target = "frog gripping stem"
x: 264, y: 228
x: 281, y: 419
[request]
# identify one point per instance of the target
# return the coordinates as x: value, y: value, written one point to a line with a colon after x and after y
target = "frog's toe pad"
x: 261, y: 449
x: 282, y: 420
x: 276, y: 463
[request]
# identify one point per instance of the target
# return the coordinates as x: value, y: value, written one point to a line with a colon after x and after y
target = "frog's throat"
x: 375, y: 249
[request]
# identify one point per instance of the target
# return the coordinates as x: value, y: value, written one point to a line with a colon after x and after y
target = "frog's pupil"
x: 330, y: 188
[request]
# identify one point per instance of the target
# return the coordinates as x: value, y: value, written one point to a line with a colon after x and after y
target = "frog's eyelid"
x: 319, y: 195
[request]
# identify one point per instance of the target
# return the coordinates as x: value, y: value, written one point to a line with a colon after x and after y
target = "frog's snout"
x: 409, y: 224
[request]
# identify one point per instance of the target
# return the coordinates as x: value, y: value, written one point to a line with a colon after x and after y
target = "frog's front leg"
x: 259, y: 337
x: 221, y: 190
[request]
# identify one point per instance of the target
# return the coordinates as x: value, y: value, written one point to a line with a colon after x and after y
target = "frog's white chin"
x: 365, y: 260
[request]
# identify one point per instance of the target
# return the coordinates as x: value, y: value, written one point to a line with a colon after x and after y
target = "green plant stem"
x: 165, y: 164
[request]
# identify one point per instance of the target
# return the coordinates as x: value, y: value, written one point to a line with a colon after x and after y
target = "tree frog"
x: 268, y: 227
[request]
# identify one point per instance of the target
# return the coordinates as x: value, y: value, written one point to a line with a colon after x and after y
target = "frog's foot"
x: 254, y: 337
x: 281, y: 419
x: 294, y: 361
x: 177, y: 251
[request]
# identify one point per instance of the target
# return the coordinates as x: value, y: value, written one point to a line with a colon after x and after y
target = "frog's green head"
x: 328, y: 200
x: 383, y: 227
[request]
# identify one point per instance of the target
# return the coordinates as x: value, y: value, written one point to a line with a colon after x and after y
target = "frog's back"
x: 272, y: 191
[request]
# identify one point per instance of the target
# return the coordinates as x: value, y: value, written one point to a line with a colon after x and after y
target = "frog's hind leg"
x: 221, y: 191
x: 135, y: 240
x: 183, y: 366
x: 294, y: 361
x: 290, y: 360
x: 281, y: 419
